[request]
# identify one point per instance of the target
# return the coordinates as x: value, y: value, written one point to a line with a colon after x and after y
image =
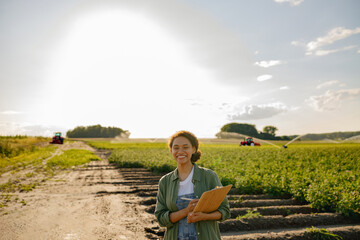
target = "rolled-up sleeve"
x: 224, y: 207
x: 162, y: 213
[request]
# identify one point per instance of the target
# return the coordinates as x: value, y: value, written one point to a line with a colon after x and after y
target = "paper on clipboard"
x: 211, y: 200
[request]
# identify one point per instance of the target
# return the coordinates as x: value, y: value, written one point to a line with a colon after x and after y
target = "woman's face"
x: 182, y: 150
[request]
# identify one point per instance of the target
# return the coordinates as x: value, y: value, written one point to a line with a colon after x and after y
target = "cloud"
x: 267, y: 64
x: 323, y: 52
x: 332, y: 100
x: 298, y: 43
x: 224, y: 106
x: 334, y: 35
x: 253, y: 112
x: 284, y: 88
x: 327, y: 52
x: 264, y: 77
x: 292, y: 2
x: 327, y: 84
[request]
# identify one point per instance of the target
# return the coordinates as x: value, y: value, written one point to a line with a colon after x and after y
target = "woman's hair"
x: 193, y: 140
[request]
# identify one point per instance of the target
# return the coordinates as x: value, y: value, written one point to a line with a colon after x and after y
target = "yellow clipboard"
x: 211, y: 200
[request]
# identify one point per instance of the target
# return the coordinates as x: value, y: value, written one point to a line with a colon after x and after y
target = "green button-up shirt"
x: 203, y: 180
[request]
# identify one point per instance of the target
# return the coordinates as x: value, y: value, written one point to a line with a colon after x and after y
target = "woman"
x: 174, y: 210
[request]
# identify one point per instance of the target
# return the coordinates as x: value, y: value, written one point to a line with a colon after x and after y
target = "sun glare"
x: 116, y: 54
x: 116, y: 61
x: 117, y: 48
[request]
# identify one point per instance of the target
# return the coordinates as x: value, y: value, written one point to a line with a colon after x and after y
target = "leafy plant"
x: 249, y: 214
x: 72, y: 157
x: 23, y: 202
x: 322, y: 234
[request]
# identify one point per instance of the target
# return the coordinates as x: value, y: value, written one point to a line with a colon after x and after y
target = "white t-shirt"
x: 187, y: 186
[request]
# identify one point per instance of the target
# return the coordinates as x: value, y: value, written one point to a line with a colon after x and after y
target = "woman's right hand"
x: 183, y: 213
x: 192, y: 205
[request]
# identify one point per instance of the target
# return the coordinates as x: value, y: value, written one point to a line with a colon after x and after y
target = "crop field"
x: 310, y: 190
x: 327, y: 176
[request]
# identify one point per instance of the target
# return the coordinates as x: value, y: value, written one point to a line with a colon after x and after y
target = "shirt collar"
x: 174, y: 175
x: 196, y: 176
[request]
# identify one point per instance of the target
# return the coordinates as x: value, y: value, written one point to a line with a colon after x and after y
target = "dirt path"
x: 73, y: 205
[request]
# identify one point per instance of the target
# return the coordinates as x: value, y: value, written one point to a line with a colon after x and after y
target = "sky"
x: 157, y: 67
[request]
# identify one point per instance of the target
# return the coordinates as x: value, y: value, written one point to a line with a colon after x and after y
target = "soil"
x: 88, y: 202
x: 101, y: 201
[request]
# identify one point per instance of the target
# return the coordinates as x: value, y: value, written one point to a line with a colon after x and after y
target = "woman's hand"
x: 191, y: 206
x: 200, y: 216
x: 177, y: 216
x: 194, y: 217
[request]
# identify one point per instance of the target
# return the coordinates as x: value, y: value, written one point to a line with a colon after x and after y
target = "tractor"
x: 57, y: 139
x: 249, y: 142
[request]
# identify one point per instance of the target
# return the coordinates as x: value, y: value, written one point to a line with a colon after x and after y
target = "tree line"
x: 268, y: 132
x: 332, y: 136
x: 97, y: 131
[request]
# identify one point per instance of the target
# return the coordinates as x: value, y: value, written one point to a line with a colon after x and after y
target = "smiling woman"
x: 180, y: 190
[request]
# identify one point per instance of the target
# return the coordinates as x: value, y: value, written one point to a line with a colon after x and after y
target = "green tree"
x: 96, y: 131
x: 270, y: 130
x: 241, y: 128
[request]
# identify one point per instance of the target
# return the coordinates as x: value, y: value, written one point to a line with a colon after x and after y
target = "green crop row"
x: 14, y: 146
x: 70, y: 158
x: 25, y: 159
x: 325, y: 175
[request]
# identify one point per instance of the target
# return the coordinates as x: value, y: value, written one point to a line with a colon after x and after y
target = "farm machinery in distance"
x: 249, y: 142
x: 57, y: 139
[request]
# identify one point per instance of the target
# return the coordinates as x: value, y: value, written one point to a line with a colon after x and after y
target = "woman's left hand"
x: 195, y: 217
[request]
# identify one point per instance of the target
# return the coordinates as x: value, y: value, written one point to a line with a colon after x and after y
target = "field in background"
x: 325, y: 175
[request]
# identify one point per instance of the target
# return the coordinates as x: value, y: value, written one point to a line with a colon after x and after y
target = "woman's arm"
x: 162, y: 212
x: 177, y: 216
x: 200, y: 216
x: 224, y: 207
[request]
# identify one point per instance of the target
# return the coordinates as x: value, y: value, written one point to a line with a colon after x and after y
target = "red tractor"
x: 249, y: 142
x: 57, y: 139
